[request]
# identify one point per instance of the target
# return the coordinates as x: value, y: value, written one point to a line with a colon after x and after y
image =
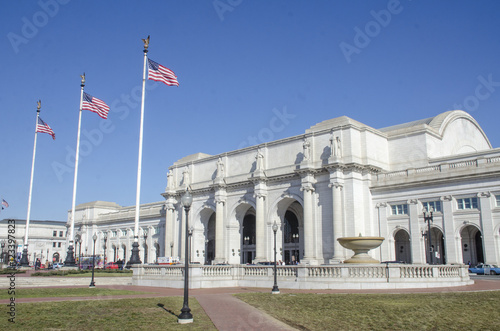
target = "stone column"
x: 338, y: 221
x: 260, y: 228
x: 169, y: 227
x: 220, y: 255
x: 386, y: 247
x: 491, y: 255
x: 309, y: 235
x: 415, y: 235
x: 450, y: 240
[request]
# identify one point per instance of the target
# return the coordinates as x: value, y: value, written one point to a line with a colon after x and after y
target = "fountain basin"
x: 361, y: 246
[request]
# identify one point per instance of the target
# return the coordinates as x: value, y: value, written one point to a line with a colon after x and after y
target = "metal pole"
x: 428, y: 218
x: 70, y: 259
x: 186, y: 316
x: 92, y: 283
x: 275, y: 289
x: 134, y: 258
x: 24, y: 257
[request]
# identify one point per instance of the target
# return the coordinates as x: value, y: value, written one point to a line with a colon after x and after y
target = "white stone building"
x: 341, y: 178
x: 46, y: 239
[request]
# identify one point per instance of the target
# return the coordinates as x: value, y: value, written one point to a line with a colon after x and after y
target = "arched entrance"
x: 291, y: 238
x: 248, y: 238
x: 402, y: 246
x: 210, y: 240
x: 472, y: 245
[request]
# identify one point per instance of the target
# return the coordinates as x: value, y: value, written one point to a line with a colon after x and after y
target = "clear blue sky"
x: 238, y: 63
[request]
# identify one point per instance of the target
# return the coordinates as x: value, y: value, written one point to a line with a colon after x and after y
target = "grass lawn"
x: 446, y: 311
x: 122, y: 314
x: 65, y: 292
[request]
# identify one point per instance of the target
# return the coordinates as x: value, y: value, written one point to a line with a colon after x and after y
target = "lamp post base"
x: 185, y: 317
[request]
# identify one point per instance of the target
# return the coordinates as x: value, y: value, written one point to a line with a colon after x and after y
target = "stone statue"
x: 170, y: 179
x: 220, y: 168
x: 335, y: 145
x: 259, y: 160
x: 83, y: 78
x: 307, y: 149
x: 185, y: 177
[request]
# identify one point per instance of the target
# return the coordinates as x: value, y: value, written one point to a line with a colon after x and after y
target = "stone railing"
x: 341, y: 276
x: 443, y: 167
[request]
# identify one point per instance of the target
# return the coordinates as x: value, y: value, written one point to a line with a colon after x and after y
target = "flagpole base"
x: 134, y: 259
x: 24, y: 258
x: 70, y: 258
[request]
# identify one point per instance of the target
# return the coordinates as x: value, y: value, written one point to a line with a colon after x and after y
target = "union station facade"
x: 341, y: 178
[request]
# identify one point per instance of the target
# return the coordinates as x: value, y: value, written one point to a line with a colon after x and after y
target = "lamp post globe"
x: 92, y: 283
x: 275, y: 289
x: 186, y: 316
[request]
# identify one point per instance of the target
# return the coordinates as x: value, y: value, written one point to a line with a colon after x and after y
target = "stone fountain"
x: 361, y: 245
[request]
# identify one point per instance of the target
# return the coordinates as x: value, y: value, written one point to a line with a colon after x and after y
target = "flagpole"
x: 24, y: 258
x: 70, y: 258
x: 134, y: 258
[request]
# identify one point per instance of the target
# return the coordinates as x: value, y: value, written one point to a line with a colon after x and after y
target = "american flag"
x: 5, y: 203
x: 95, y: 105
x: 44, y: 128
x: 160, y: 73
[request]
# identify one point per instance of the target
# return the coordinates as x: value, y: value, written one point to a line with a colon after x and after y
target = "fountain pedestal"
x: 361, y: 246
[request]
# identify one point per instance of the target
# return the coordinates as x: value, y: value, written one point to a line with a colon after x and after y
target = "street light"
x: 275, y: 290
x: 145, y: 246
x: 428, y: 218
x: 186, y: 316
x: 78, y: 240
x: 3, y: 254
x: 92, y: 283
x: 296, y: 240
x: 105, y: 241
x: 190, y: 233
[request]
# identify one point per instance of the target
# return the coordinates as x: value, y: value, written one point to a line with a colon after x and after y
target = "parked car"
x: 479, y: 269
x: 57, y: 265
x: 112, y: 265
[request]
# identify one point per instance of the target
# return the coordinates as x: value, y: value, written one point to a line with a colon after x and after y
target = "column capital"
x: 381, y: 205
x: 307, y: 187
x: 336, y: 185
x: 412, y: 201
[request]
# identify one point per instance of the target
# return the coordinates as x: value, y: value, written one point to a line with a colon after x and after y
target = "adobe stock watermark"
x: 31, y: 27
x: 483, y: 91
x: 277, y: 123
x: 363, y: 37
x: 90, y: 139
x: 223, y: 6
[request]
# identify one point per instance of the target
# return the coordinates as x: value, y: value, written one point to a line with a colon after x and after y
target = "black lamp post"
x: 186, y: 316
x: 92, y: 283
x: 145, y: 246
x: 190, y: 233
x: 105, y: 241
x: 3, y: 254
x: 429, y: 219
x: 79, y: 252
x: 275, y: 290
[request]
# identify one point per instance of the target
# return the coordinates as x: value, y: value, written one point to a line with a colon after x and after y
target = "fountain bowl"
x: 361, y: 245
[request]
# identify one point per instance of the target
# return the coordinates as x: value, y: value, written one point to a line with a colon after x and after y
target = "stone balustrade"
x: 342, y: 276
